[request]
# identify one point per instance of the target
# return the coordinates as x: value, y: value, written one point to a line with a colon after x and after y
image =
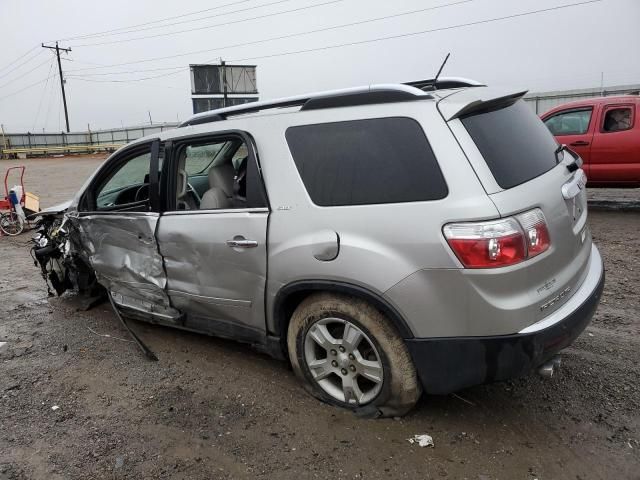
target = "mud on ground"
x: 217, y: 409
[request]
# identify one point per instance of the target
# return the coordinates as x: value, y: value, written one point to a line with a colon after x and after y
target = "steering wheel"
x: 192, y: 191
x: 142, y: 193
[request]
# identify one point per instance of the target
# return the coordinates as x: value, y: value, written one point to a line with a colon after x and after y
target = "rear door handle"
x: 242, y: 243
x: 579, y: 143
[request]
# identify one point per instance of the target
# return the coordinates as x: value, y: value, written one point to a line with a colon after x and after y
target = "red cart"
x: 12, y: 217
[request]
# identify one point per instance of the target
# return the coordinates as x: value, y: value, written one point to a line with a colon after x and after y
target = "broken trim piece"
x: 148, y: 353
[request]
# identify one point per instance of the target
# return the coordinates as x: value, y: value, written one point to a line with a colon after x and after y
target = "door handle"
x: 242, y: 243
x: 579, y: 143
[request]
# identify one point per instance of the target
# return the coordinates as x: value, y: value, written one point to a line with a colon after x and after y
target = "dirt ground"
x: 214, y: 409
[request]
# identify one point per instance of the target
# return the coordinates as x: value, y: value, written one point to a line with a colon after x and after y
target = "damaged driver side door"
x: 117, y: 219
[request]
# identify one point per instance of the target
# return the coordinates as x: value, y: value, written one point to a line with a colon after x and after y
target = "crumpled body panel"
x: 123, y: 251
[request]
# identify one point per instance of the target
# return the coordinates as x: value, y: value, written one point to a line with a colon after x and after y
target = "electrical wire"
x: 206, y: 27
x: 44, y: 91
x: 19, y: 58
x: 422, y: 32
x: 134, y: 29
x: 21, y: 64
x: 51, y: 100
x: 22, y: 75
x: 26, y: 88
x: 360, y: 42
x: 256, y: 42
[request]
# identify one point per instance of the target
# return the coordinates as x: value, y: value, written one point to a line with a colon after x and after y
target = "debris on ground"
x: 423, y: 440
x: 55, y: 407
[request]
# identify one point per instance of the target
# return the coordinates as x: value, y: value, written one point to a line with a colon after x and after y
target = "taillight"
x: 498, y: 243
x: 535, y: 229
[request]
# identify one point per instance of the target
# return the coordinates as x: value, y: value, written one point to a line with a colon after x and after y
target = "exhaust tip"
x: 547, y: 369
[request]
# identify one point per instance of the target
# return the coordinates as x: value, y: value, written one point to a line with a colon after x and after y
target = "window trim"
x: 304, y: 186
x: 613, y: 106
x: 588, y: 108
x: 87, y: 203
x: 170, y: 166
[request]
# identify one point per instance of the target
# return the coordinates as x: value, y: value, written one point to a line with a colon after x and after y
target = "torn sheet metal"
x: 123, y: 252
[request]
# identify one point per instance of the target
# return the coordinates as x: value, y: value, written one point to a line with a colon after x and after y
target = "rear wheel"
x: 348, y: 354
x: 11, y: 223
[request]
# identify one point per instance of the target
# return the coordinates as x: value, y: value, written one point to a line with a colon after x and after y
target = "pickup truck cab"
x: 604, y: 132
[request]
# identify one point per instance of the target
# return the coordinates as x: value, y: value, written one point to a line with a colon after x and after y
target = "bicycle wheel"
x: 11, y: 224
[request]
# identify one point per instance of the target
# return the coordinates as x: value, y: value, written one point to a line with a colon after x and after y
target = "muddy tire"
x: 348, y: 354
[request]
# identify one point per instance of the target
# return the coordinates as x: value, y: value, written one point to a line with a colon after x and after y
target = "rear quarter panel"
x: 380, y: 245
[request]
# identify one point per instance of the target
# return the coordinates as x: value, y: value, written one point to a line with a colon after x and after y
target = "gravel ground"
x: 216, y: 409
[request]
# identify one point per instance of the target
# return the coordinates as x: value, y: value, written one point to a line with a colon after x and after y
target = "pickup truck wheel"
x: 348, y: 354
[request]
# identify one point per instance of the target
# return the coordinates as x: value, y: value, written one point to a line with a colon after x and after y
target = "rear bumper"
x: 445, y: 365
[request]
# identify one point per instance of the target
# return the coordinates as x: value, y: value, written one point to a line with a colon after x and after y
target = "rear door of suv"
x: 214, y: 242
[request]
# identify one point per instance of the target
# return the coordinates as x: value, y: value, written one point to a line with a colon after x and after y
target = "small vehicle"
x: 384, y: 239
x: 11, y: 220
x: 604, y: 132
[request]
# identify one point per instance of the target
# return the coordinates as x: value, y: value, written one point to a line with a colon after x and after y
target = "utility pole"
x: 64, y: 97
x: 224, y: 82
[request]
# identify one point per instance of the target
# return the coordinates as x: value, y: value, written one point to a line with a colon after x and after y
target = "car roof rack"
x: 442, y: 83
x: 348, y: 97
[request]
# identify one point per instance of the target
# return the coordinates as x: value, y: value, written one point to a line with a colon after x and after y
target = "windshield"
x: 514, y: 142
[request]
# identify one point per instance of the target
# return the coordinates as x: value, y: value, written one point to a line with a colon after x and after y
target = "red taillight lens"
x: 499, y: 243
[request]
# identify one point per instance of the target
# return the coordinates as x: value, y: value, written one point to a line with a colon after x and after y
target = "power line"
x: 21, y: 77
x: 361, y: 42
x: 19, y: 58
x: 205, y: 27
x: 422, y: 32
x: 26, y: 88
x: 44, y: 91
x: 133, y: 29
x: 281, y: 37
x: 20, y: 65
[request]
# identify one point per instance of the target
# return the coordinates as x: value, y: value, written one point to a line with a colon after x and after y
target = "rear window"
x: 383, y: 160
x: 514, y: 142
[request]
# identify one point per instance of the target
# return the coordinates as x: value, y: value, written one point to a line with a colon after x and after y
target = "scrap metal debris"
x: 423, y: 440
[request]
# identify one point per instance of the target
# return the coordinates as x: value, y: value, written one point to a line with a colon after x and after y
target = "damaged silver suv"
x: 386, y: 240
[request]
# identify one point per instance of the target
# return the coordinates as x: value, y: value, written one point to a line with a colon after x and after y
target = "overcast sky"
x: 560, y: 49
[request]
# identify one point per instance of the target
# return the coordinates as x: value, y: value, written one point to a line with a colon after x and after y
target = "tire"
x: 11, y: 223
x: 380, y: 378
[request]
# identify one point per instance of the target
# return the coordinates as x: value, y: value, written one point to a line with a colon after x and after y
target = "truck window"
x: 573, y: 122
x: 617, y: 120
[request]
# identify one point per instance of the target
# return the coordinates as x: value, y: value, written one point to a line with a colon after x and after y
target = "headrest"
x: 222, y: 177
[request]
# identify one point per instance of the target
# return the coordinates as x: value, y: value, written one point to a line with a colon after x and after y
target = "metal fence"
x: 543, y: 102
x: 88, y: 138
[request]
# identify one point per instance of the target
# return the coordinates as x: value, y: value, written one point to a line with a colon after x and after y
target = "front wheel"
x: 11, y: 223
x: 348, y: 354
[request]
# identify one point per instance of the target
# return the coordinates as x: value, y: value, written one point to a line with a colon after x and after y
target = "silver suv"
x: 387, y: 239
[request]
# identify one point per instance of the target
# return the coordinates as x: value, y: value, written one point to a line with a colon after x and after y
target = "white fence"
x: 77, y: 139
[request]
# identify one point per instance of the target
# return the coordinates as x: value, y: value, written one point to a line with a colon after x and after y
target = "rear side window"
x: 514, y: 142
x: 360, y: 162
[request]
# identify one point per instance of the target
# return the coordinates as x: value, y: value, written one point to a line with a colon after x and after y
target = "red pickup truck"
x: 604, y: 132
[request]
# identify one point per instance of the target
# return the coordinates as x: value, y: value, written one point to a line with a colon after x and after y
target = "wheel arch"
x: 291, y: 295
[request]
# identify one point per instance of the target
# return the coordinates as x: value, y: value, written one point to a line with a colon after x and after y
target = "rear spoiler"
x: 478, y: 106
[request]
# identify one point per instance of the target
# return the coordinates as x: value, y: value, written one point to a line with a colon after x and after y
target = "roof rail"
x: 442, y: 83
x: 348, y: 97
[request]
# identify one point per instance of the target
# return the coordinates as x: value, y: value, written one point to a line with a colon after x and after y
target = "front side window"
x: 617, y: 120
x: 361, y: 162
x: 127, y: 185
x: 574, y: 122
